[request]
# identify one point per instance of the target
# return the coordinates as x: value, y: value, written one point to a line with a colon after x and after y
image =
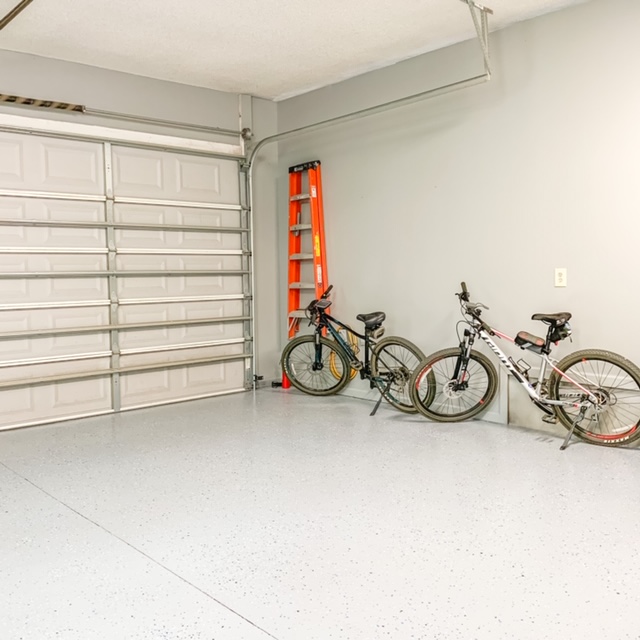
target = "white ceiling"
x: 268, y: 48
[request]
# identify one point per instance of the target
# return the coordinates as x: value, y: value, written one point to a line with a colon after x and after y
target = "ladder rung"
x: 299, y: 313
x: 300, y: 227
x: 301, y: 256
x: 301, y: 285
x: 300, y: 196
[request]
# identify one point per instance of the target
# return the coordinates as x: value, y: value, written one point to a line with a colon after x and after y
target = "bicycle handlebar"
x: 473, y: 308
x: 314, y: 305
x: 464, y: 296
x: 326, y: 293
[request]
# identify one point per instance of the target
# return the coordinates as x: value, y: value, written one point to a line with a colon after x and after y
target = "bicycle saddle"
x: 372, y: 319
x: 552, y: 318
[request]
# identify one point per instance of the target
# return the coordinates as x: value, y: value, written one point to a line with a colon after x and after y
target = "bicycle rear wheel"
x: 614, y: 381
x: 316, y: 378
x: 436, y: 394
x: 392, y: 363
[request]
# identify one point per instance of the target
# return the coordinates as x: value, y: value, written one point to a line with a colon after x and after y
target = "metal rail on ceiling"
x: 482, y: 30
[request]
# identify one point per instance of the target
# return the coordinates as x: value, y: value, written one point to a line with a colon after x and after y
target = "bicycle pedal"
x: 550, y: 419
x: 356, y: 365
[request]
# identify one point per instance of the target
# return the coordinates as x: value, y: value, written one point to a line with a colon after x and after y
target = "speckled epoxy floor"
x: 278, y: 515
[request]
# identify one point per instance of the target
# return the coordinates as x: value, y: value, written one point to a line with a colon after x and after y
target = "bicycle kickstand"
x: 373, y: 413
x: 580, y: 417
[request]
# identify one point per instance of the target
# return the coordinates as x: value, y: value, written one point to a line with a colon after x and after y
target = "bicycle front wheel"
x: 392, y: 363
x: 437, y: 394
x: 614, y: 381
x: 319, y: 376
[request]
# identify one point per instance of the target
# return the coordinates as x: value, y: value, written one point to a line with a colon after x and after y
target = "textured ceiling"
x: 268, y: 48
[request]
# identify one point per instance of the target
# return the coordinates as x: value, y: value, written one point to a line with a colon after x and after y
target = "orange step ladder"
x: 306, y: 214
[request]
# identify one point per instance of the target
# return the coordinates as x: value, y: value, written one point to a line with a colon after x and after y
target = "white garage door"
x: 124, y: 278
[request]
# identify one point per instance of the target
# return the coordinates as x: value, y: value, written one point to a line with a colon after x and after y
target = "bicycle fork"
x: 460, y: 373
x: 317, y: 365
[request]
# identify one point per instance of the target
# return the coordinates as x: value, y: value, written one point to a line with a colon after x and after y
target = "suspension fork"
x: 463, y: 358
x: 317, y: 363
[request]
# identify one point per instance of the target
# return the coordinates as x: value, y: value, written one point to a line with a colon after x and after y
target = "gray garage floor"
x: 278, y: 515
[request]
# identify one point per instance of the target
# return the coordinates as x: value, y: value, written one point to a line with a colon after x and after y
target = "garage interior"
x: 153, y: 483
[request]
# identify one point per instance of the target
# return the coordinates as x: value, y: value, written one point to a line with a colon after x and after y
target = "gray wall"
x: 496, y: 185
x: 36, y: 77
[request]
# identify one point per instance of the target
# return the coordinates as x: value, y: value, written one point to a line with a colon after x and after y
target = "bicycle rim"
x: 615, y: 382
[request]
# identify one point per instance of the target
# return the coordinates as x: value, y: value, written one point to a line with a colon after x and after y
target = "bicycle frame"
x: 533, y: 391
x: 326, y: 321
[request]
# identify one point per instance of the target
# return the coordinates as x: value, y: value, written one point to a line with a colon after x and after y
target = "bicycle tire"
x: 392, y: 363
x: 615, y: 381
x: 297, y: 362
x: 433, y: 396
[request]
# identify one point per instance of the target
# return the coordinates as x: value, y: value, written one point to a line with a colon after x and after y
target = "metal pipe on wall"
x: 482, y: 33
x: 18, y: 9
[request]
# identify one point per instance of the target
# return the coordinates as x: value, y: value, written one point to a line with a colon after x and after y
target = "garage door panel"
x: 41, y: 319
x: 52, y: 291
x: 53, y: 346
x: 45, y: 403
x: 26, y: 372
x: 182, y: 383
x: 144, y: 173
x: 35, y: 163
x: 11, y: 161
x: 181, y: 311
x: 181, y: 355
x: 44, y: 209
x: 178, y: 286
x: 175, y: 240
x: 57, y: 262
x: 54, y: 238
x: 175, y: 215
x: 180, y: 335
x: 77, y: 288
x: 152, y: 262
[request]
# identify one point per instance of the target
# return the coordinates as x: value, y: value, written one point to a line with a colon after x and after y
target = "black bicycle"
x: 321, y: 365
x: 593, y: 393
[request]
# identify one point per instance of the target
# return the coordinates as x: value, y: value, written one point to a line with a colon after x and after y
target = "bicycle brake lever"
x: 474, y: 306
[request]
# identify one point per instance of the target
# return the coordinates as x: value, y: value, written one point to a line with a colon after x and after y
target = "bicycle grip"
x: 326, y: 293
x: 464, y: 287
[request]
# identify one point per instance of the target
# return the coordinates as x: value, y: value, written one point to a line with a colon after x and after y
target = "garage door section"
x: 124, y: 278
